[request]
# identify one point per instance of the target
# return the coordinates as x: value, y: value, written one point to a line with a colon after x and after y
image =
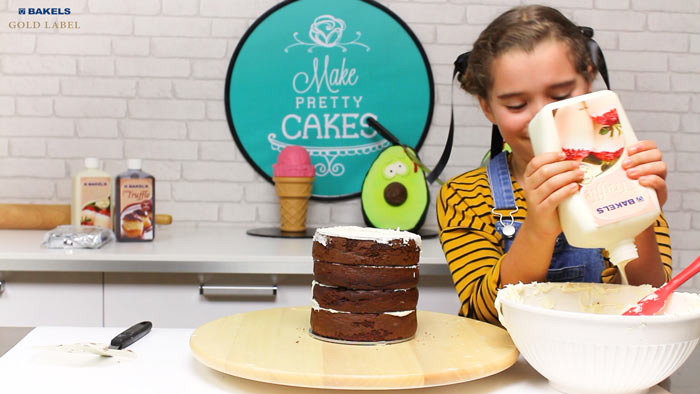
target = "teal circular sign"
x: 310, y: 73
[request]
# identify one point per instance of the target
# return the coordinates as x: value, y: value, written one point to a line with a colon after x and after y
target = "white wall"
x: 145, y: 78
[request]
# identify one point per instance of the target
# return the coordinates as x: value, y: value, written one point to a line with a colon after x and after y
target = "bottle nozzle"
x: 623, y: 252
x: 92, y: 162
x: 133, y: 164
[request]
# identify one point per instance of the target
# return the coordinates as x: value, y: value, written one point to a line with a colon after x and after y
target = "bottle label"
x: 591, y: 132
x: 614, y: 197
x: 95, y: 202
x: 136, y: 216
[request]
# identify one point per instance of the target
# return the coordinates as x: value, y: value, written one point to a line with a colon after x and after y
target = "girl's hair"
x: 523, y: 28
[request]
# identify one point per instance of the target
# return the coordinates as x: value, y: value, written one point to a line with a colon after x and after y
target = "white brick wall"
x: 145, y: 78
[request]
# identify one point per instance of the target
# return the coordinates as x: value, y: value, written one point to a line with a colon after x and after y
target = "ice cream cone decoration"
x: 293, y: 175
x: 294, y: 194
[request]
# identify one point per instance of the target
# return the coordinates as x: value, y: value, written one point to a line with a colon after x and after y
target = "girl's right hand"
x: 548, y: 180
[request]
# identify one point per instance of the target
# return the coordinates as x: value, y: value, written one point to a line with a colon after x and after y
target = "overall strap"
x: 502, y: 192
x: 500, y: 183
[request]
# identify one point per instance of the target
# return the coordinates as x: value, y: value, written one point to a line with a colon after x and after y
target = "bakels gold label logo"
x: 44, y: 23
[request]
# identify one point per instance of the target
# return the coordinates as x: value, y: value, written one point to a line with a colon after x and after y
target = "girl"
x: 526, y: 58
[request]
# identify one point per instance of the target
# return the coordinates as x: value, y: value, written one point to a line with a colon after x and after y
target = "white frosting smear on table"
x: 378, y: 235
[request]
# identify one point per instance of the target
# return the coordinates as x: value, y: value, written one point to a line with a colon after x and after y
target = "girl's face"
x: 524, y: 82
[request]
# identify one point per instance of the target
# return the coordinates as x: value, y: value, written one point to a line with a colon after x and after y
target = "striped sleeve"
x: 470, y: 243
x: 663, y: 240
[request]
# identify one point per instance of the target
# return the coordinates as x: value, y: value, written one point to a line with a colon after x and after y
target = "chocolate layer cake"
x: 365, y: 277
x: 364, y: 327
x: 365, y: 301
x: 365, y: 282
x: 366, y: 251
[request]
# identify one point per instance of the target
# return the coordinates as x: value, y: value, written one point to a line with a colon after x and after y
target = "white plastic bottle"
x: 610, y: 209
x: 91, y: 203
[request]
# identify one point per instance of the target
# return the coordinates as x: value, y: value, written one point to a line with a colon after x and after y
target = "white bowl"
x: 575, y: 336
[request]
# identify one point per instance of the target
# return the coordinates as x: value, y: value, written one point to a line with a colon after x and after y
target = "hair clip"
x: 586, y: 31
x: 461, y: 63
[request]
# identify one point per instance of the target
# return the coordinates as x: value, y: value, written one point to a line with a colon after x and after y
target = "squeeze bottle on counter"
x: 610, y: 209
x: 91, y: 200
x: 135, y: 204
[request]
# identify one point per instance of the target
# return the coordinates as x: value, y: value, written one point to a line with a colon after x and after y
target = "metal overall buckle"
x: 507, y: 229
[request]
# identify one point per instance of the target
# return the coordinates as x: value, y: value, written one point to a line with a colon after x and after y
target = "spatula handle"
x: 131, y: 335
x: 383, y: 131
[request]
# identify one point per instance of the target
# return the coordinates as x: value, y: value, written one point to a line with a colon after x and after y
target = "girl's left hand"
x: 645, y: 164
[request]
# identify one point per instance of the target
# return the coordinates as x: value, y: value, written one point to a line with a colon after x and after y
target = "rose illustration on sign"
x: 326, y: 31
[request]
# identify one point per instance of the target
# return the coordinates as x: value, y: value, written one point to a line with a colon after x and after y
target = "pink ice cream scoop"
x: 293, y: 161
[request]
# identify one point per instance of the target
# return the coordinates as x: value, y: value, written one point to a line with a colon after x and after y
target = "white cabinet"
x: 51, y: 298
x: 438, y: 294
x: 170, y: 300
x: 174, y: 300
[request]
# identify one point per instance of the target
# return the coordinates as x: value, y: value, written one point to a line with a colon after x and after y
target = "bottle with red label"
x: 91, y: 200
x: 609, y: 209
x: 135, y: 204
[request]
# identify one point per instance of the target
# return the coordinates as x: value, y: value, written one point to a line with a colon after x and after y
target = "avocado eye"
x: 401, y: 168
x: 389, y: 171
x: 395, y: 168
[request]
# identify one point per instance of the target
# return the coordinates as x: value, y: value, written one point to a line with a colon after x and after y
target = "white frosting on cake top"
x: 378, y: 235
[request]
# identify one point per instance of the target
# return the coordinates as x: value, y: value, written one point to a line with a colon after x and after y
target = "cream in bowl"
x: 575, y: 336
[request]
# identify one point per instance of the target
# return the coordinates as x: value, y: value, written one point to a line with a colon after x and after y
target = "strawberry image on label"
x: 608, y: 156
x: 575, y: 154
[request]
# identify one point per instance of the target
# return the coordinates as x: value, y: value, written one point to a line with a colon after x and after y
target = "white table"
x: 165, y: 365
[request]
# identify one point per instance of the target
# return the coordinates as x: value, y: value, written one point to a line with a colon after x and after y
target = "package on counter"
x: 77, y: 237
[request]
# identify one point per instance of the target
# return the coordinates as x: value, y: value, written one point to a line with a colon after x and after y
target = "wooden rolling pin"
x: 44, y: 216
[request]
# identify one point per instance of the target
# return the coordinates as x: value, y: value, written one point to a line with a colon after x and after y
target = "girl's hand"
x: 645, y: 164
x: 548, y: 180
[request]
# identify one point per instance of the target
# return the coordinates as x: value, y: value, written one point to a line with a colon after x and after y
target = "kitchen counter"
x: 207, y: 271
x: 180, y: 249
x: 164, y: 364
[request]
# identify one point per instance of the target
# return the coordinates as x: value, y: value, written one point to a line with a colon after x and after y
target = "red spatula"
x: 653, y: 303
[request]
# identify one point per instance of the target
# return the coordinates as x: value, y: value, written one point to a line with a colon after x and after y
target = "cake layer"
x: 378, y: 235
x: 365, y: 327
x: 360, y: 277
x: 365, y: 301
x: 366, y: 252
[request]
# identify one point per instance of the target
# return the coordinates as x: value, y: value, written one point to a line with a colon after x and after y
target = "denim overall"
x: 569, y: 263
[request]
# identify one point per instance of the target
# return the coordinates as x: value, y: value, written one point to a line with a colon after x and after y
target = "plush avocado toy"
x: 395, y: 193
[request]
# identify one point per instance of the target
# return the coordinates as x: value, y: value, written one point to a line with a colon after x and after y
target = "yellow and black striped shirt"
x: 473, y: 247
